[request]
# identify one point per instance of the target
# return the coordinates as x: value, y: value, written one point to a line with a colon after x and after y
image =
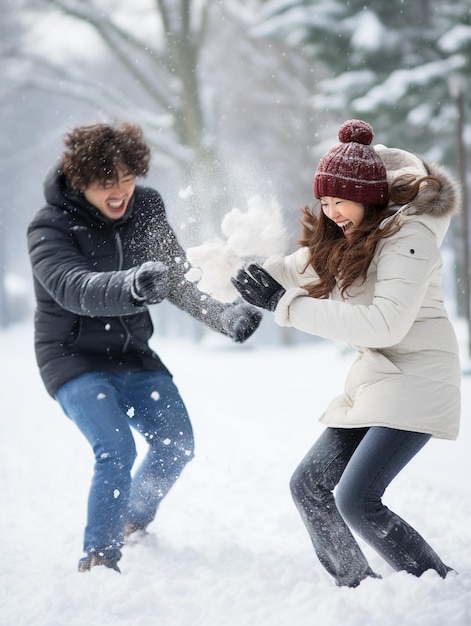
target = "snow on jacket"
x: 407, y: 373
x: 86, y: 318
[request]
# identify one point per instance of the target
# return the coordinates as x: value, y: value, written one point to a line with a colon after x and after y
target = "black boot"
x: 95, y: 558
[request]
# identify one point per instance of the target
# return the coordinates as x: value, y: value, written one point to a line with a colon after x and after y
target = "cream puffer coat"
x: 407, y: 373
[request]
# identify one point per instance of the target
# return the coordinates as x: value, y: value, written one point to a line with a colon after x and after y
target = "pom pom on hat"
x: 352, y: 169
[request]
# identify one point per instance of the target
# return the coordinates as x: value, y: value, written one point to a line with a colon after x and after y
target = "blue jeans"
x: 105, y: 407
x: 360, y: 463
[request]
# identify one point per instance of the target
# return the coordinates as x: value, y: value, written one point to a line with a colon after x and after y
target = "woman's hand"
x: 256, y: 286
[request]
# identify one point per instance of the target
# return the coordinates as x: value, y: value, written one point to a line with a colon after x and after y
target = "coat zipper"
x: 119, y: 247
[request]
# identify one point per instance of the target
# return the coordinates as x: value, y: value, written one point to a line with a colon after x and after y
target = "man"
x: 102, y: 251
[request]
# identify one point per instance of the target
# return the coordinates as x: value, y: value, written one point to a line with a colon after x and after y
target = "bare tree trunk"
x: 463, y: 262
x: 3, y: 293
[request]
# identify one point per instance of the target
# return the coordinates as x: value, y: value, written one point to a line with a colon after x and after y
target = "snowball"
x: 258, y: 232
x: 216, y: 262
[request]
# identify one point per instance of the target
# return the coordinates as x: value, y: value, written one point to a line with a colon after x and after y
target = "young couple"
x: 367, y: 272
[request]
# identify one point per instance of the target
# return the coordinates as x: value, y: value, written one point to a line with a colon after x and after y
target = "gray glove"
x: 240, y: 321
x: 150, y: 283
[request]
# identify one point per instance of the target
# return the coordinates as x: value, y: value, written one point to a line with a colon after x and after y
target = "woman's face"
x: 345, y: 213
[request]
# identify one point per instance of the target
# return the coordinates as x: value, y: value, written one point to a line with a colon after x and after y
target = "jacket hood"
x: 56, y: 189
x: 439, y: 203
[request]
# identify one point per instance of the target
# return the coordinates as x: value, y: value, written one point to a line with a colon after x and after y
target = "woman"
x: 369, y: 273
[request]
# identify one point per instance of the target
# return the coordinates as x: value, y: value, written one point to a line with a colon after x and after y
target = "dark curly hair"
x: 94, y: 153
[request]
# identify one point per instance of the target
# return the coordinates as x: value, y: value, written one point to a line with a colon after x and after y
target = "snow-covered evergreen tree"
x: 392, y: 62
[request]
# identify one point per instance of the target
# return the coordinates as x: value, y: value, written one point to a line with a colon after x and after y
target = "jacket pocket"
x: 73, y: 334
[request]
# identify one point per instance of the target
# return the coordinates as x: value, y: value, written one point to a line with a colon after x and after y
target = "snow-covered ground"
x: 229, y: 547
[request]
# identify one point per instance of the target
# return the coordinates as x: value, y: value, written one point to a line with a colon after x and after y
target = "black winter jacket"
x: 83, y: 267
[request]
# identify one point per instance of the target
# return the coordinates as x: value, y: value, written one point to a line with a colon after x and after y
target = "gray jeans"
x: 360, y: 463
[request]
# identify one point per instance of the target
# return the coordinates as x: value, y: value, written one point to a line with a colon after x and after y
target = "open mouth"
x: 117, y: 205
x: 344, y: 226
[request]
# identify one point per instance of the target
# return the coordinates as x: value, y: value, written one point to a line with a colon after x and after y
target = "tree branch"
x: 112, y: 35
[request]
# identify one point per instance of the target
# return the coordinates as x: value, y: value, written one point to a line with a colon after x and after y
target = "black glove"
x: 239, y: 321
x: 150, y: 282
x: 256, y: 286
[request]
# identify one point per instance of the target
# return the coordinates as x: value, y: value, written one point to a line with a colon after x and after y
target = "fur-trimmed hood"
x: 442, y: 202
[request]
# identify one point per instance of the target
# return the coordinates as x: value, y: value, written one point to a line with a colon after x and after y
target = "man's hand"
x: 240, y: 321
x: 150, y: 282
x: 256, y: 286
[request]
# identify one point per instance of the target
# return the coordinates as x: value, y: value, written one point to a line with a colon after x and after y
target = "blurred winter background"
x: 238, y: 99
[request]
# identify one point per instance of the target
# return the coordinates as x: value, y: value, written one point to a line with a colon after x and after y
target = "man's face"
x: 111, y: 197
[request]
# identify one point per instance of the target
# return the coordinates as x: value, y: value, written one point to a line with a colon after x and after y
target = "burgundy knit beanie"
x: 352, y: 169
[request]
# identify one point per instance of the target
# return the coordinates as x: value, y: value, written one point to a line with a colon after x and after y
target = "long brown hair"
x: 341, y: 260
